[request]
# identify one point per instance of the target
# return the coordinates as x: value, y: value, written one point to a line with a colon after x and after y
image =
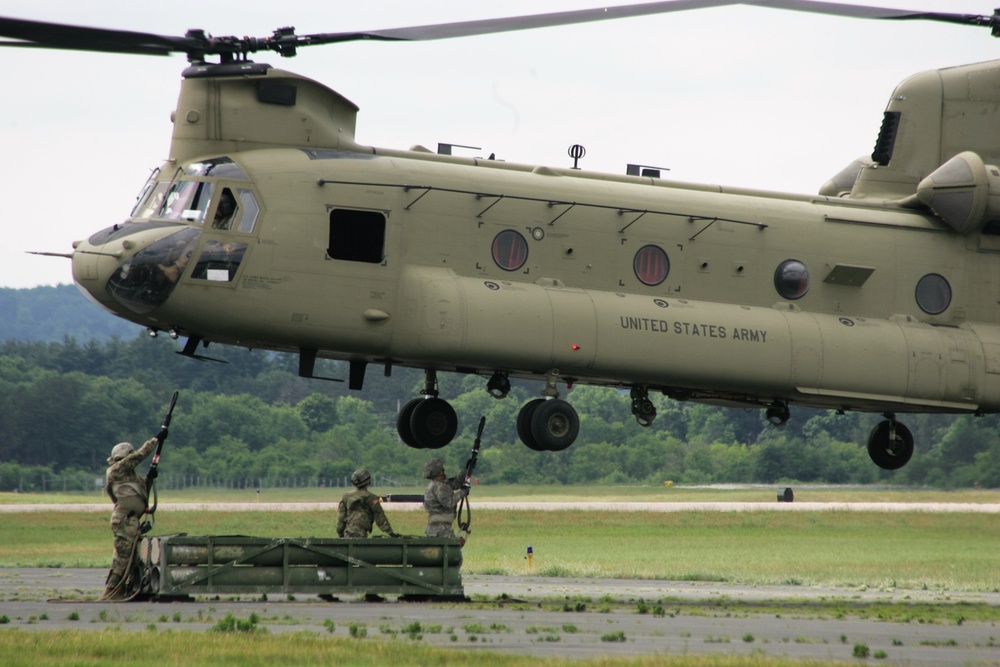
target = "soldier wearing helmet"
x: 441, y: 499
x: 128, y: 492
x: 360, y: 508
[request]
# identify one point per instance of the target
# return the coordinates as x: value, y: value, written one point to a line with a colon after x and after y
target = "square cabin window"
x: 356, y: 236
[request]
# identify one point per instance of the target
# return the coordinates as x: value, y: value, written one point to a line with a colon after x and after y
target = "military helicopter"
x: 269, y: 226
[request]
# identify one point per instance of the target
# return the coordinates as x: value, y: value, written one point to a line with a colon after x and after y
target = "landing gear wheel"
x: 433, y: 423
x: 555, y: 425
x: 890, y: 445
x: 524, y: 424
x: 403, y: 424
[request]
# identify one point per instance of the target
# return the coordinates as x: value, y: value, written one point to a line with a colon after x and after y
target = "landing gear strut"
x: 778, y: 414
x: 428, y: 422
x: 890, y: 444
x: 642, y: 407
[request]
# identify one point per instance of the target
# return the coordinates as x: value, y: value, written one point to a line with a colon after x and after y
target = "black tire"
x: 894, y: 454
x: 555, y: 425
x: 524, y: 424
x: 403, y: 427
x: 434, y: 423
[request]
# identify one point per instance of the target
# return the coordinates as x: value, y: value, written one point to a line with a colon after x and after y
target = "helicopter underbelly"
x: 704, y: 348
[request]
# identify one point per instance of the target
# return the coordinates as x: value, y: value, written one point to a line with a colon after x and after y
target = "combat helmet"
x: 433, y: 468
x: 120, y: 451
x: 361, y: 477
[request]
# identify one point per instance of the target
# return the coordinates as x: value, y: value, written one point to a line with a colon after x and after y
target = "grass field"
x: 883, y: 550
x: 191, y: 649
x: 545, y: 494
x: 913, y: 550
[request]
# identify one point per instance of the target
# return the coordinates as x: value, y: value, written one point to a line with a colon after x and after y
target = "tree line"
x: 252, y: 421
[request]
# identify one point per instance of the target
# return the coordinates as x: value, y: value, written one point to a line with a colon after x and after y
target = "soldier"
x: 360, y: 508
x: 441, y: 499
x: 129, y: 494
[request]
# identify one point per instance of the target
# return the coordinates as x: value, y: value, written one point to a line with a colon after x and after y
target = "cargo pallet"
x: 173, y: 566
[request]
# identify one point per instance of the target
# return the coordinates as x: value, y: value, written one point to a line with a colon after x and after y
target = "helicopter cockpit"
x: 182, y: 206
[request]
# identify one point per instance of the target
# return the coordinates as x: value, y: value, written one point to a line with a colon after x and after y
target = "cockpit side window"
x: 225, y: 211
x: 236, y: 210
x: 248, y: 203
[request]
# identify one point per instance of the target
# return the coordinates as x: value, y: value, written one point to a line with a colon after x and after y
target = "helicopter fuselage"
x: 444, y: 263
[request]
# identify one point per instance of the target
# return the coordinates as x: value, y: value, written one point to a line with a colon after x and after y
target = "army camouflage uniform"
x: 129, y: 493
x: 357, y: 511
x: 441, y: 500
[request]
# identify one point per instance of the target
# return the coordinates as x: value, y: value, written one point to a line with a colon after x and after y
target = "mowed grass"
x: 909, y: 550
x: 193, y: 649
x: 545, y: 494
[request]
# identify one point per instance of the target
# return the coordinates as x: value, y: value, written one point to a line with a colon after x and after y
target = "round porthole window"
x: 791, y: 279
x: 510, y: 250
x: 933, y: 294
x: 651, y: 265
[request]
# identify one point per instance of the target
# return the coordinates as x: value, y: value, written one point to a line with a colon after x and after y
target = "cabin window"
x: 651, y: 265
x: 791, y: 279
x: 356, y: 236
x: 510, y: 250
x: 933, y: 294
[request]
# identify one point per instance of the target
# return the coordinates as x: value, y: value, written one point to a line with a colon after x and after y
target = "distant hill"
x: 50, y: 314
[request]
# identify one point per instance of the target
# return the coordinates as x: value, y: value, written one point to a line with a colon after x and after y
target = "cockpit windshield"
x: 150, y: 199
x: 188, y: 197
x: 186, y: 200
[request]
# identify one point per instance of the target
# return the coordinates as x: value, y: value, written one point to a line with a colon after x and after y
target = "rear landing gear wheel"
x: 524, y: 424
x: 890, y: 445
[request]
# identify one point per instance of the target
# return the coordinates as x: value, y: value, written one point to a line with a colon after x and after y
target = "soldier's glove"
x: 392, y: 534
x: 162, y: 435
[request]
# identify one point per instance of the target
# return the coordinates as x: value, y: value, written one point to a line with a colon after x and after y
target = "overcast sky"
x: 739, y: 96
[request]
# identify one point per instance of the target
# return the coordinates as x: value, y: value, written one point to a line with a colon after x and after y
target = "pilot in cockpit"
x: 225, y: 210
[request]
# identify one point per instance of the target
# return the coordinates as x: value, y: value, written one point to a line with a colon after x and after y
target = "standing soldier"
x: 360, y: 508
x: 441, y: 498
x: 129, y: 494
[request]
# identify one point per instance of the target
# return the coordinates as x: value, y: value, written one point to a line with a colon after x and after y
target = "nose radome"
x: 133, y: 268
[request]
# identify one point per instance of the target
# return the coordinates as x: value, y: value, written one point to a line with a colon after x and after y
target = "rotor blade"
x: 38, y: 34
x: 509, y: 24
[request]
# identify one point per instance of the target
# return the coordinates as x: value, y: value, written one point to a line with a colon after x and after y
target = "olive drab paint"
x: 878, y: 294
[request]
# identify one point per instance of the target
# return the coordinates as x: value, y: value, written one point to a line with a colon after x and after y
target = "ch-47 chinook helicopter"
x: 271, y: 227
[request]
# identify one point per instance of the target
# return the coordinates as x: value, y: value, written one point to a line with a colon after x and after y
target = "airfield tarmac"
x: 541, y: 616
x: 694, y: 620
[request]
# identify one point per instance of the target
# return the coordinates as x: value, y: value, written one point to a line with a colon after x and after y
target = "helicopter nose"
x: 92, y: 265
x: 132, y: 268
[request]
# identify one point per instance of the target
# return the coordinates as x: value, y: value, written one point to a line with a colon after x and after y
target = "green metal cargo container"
x: 184, y: 565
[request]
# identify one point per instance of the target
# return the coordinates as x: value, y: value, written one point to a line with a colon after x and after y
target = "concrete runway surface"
x: 542, y: 618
